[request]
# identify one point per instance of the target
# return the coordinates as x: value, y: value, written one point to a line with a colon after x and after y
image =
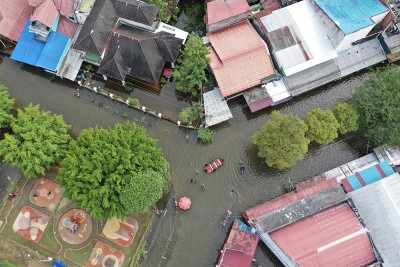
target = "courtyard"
x: 41, y: 220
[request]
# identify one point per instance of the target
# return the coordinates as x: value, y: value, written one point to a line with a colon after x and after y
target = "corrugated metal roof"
x: 300, y: 209
x: 219, y: 10
x: 215, y: 108
x: 46, y: 55
x: 330, y: 238
x: 352, y: 15
x: 379, y: 206
x: 71, y: 65
x: 367, y: 176
x: 16, y: 14
x: 46, y: 13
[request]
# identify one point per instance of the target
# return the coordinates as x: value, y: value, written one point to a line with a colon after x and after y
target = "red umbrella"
x: 184, y: 203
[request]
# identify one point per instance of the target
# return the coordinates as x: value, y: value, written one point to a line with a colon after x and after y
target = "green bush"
x: 101, y: 90
x: 134, y: 102
x: 190, y: 114
x: 128, y: 87
x: 163, y: 81
x: 205, y: 135
x: 88, y: 67
x: 6, y: 263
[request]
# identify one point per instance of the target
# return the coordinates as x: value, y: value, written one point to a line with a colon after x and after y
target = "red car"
x: 215, y: 164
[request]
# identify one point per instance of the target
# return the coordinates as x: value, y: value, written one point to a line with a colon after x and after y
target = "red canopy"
x: 184, y: 203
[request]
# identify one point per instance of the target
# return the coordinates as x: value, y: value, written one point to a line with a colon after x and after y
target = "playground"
x: 42, y: 222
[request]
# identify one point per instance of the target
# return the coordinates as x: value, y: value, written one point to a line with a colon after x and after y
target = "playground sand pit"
x: 105, y: 256
x: 75, y: 226
x: 46, y: 193
x: 121, y: 232
x: 30, y: 223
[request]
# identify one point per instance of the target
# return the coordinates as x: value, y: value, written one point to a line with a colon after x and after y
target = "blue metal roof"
x: 371, y: 175
x: 352, y: 15
x: 46, y: 55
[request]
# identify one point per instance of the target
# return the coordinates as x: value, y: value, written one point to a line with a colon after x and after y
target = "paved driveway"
x: 7, y: 175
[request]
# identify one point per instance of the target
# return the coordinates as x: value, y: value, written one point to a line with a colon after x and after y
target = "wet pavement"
x: 8, y: 176
x: 195, y: 237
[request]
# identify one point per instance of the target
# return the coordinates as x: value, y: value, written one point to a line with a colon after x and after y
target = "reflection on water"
x: 195, y: 237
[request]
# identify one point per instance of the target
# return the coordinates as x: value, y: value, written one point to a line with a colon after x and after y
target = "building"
x: 222, y: 13
x: 378, y: 205
x: 315, y: 226
x: 127, y: 42
x: 239, y: 249
x: 314, y: 42
x: 49, y: 27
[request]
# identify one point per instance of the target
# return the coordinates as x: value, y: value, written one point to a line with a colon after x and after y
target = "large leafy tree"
x: 6, y: 104
x: 163, y: 5
x: 38, y: 141
x: 347, y: 117
x: 378, y: 104
x: 107, y: 171
x: 191, y: 73
x: 322, y: 126
x: 281, y: 141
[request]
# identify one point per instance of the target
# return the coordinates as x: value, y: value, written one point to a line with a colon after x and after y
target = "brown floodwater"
x: 195, y: 238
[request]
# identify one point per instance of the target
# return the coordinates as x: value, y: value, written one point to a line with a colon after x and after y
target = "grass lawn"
x: 82, y: 255
x: 48, y: 239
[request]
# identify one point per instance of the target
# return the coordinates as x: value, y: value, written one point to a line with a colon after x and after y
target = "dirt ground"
x: 18, y: 255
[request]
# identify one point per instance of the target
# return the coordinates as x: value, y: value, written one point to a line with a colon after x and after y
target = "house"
x: 127, y: 42
x: 47, y: 33
x: 314, y: 42
x: 239, y: 249
x: 222, y: 13
x: 314, y: 226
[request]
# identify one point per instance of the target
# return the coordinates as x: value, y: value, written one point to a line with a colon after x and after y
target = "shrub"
x: 205, y: 135
x: 134, y: 102
x: 128, y: 87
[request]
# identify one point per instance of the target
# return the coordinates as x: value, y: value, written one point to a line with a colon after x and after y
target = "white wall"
x: 352, y: 37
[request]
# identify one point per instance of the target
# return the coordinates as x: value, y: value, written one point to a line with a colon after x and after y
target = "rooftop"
x: 16, y: 14
x: 245, y: 64
x: 379, y: 205
x: 352, y: 15
x: 219, y: 10
x: 330, y: 238
x: 240, y: 247
x: 215, y: 108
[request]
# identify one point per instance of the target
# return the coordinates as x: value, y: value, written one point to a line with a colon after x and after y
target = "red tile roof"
x: 219, y: 10
x: 66, y: 7
x: 46, y: 13
x: 239, y: 249
x: 334, y: 237
x: 66, y: 26
x: 35, y: 3
x: 16, y: 14
x: 287, y: 199
x: 239, y: 58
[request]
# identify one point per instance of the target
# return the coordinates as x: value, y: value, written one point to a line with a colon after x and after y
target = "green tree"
x: 150, y: 189
x: 163, y: 5
x: 38, y: 141
x: 281, y: 141
x: 322, y: 126
x: 205, y: 135
x: 102, y: 163
x: 191, y: 73
x: 377, y: 102
x: 6, y: 104
x: 195, y: 11
x: 347, y: 117
x: 190, y: 114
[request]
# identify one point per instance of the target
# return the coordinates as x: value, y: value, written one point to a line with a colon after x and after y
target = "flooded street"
x: 195, y: 237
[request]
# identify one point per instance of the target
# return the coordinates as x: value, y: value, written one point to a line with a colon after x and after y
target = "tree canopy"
x: 281, y: 141
x: 322, y: 126
x: 107, y: 171
x: 377, y: 102
x: 191, y: 73
x: 347, y: 117
x: 38, y: 141
x: 190, y: 114
x: 163, y: 5
x: 6, y: 104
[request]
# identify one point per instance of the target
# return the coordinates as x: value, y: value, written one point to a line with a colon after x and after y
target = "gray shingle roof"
x: 104, y: 16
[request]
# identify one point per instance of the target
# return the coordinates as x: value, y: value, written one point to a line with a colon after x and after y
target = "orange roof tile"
x: 219, y: 10
x: 239, y: 58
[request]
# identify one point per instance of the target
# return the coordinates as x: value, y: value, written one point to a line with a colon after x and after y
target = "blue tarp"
x: 246, y: 228
x: 352, y: 15
x: 46, y: 55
